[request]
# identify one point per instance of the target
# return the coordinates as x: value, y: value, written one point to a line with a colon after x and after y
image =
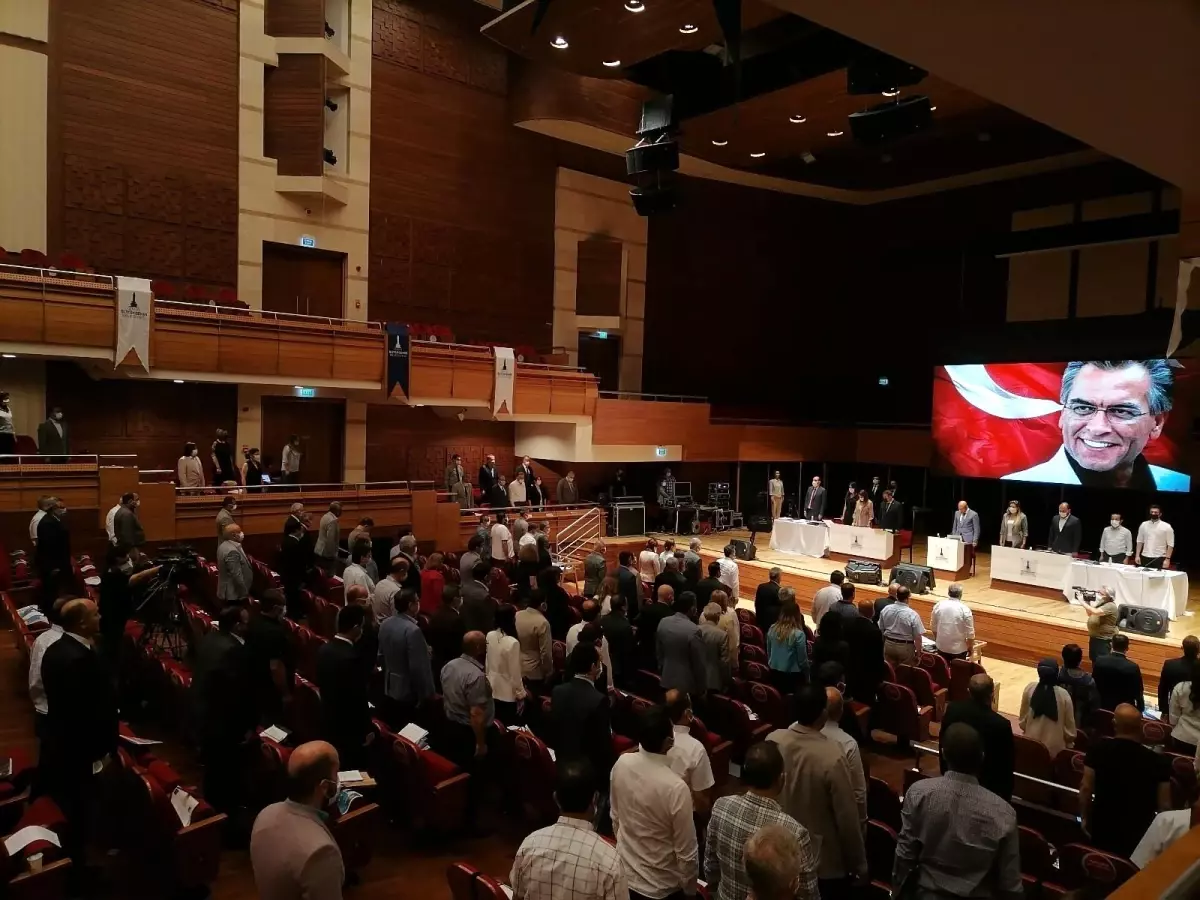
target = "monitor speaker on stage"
x: 862, y: 571
x: 743, y: 549
x: 1142, y: 620
x: 918, y: 579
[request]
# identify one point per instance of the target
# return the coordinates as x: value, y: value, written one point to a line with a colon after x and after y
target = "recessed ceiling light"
x: 559, y: 43
x: 894, y: 92
x: 796, y: 120
x: 757, y: 155
x: 178, y: 380
x: 719, y: 143
x: 688, y: 29
x: 835, y: 133
x: 10, y: 356
x: 611, y: 63
x: 635, y: 6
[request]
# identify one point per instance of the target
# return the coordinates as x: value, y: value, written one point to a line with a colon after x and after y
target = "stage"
x: 1018, y: 628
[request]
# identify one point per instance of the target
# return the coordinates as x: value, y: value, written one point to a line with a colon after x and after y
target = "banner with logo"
x: 397, y: 362
x: 133, y: 319
x: 506, y: 366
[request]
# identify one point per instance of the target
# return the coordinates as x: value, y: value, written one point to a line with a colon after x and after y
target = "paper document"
x: 275, y: 733
x: 6, y: 768
x: 19, y: 840
x: 415, y: 733
x: 139, y: 741
x: 507, y: 891
x: 350, y: 776
x: 183, y: 804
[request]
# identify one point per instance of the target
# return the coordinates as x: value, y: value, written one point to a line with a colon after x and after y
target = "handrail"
x: 52, y: 272
x: 58, y: 459
x: 241, y: 312
x: 637, y: 395
x: 533, y: 365
x: 274, y: 489
x: 452, y: 345
x: 545, y: 507
x: 1066, y: 789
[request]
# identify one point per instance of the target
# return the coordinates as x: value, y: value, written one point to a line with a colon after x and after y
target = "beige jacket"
x: 191, y: 472
x: 294, y: 855
x: 818, y: 792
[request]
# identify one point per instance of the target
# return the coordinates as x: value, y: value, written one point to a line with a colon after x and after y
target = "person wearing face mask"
x: 189, y: 468
x: 1014, y: 526
x: 567, y: 491
x: 225, y: 514
x: 1155, y: 542
x: 468, y: 737
x: 235, y: 575
x: 54, y: 439
x: 116, y: 597
x: 8, y: 435
x: 252, y: 471
x: 127, y: 529
x: 343, y: 680
x: 1116, y: 543
x: 292, y: 851
x: 579, y: 714
x: 52, y: 556
x: 1066, y: 531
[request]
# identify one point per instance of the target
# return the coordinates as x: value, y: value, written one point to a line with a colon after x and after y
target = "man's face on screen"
x: 1106, y: 422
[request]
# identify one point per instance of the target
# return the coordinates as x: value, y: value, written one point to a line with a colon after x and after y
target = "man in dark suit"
x: 995, y: 732
x: 766, y: 600
x: 864, y: 669
x: 223, y: 703
x: 295, y: 559
x: 681, y: 654
x: 875, y: 492
x: 52, y: 556
x: 478, y: 608
x: 814, y: 500
x: 706, y: 586
x: 54, y: 436
x: 81, y: 721
x: 1066, y: 531
x: 579, y: 714
x: 647, y: 624
x: 527, y: 472
x: 1118, y: 678
x: 272, y: 659
x: 889, y: 513
x: 622, y: 649
x: 1177, y: 670
x: 342, y: 681
x: 446, y: 628
x: 672, y: 576
x: 488, y: 475
x: 629, y: 584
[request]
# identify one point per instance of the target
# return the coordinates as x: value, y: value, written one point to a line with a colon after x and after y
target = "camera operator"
x: 1101, y: 622
x: 117, y: 585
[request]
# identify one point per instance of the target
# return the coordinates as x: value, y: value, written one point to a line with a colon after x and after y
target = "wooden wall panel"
x: 152, y: 419
x: 294, y: 113
x: 599, y: 277
x: 143, y: 137
x: 295, y: 18
x: 406, y: 442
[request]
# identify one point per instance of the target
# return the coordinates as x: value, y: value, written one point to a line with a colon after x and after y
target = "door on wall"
x: 303, y: 280
x: 320, y: 425
x: 602, y: 357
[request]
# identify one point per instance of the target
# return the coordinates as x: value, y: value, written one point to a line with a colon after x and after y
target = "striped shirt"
x: 899, y: 622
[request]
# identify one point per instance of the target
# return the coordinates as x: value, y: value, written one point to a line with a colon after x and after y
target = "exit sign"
x: 660, y: 452
x: 305, y: 391
x: 307, y: 240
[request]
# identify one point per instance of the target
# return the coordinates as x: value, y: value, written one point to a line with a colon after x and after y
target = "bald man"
x: 293, y: 853
x: 996, y: 772
x: 1125, y: 785
x: 647, y: 626
x: 81, y: 720
x: 470, y: 711
x: 235, y: 575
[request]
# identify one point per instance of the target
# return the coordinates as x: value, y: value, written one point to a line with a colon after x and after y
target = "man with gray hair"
x: 1111, y: 409
x: 953, y: 626
x: 766, y: 600
x: 328, y: 537
x: 692, y: 564
x: 774, y: 864
x: 408, y: 550
x: 718, y: 664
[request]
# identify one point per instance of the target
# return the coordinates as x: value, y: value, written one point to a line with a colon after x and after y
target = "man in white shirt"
x: 824, y: 598
x: 688, y: 758
x: 383, y: 598
x: 1155, y: 542
x: 832, y: 729
x: 1116, y: 543
x: 1166, y: 829
x: 652, y: 816
x: 668, y: 552
x: 590, y: 612
x: 502, y: 542
x: 46, y: 503
x: 953, y: 625
x: 729, y: 574
x: 37, y: 690
x: 568, y: 860
x: 650, y: 563
x: 356, y: 572
x: 110, y: 524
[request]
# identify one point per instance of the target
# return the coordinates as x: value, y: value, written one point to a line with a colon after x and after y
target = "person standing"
x: 735, y: 818
x: 787, y: 645
x: 1047, y: 713
x: 622, y: 646
x: 518, y: 490
x: 766, y: 600
x: 832, y: 729
x: 688, y: 757
x: 717, y: 661
x: 1155, y: 542
x: 902, y: 630
x: 996, y: 771
x: 730, y: 575
x: 329, y: 534
x: 289, y: 460
x: 594, y: 567
x: 1177, y: 670
x: 566, y: 492
x: 342, y: 679
x: 1116, y: 543
x: 221, y: 455
x: 293, y: 854
x: 407, y: 676
x: 1066, y: 531
x: 468, y: 735
x: 958, y: 839
x: 826, y: 596
x: 864, y: 511
x: 966, y: 527
x: 1184, y: 708
x: 775, y: 492
x: 126, y: 526
x: 849, y: 502
x: 1014, y: 526
x: 225, y: 514
x: 533, y: 634
x: 890, y: 513
x: 8, y: 434
x: 814, y: 500
x: 864, y: 651
x: 579, y: 714
x: 875, y: 492
x: 1079, y: 684
x: 235, y: 575
x: 456, y: 482
x: 679, y: 648
x: 295, y: 558
x: 54, y: 435
x: 52, y: 556
x: 953, y: 626
x: 649, y: 565
x: 818, y: 792
x: 1118, y: 678
x: 358, y: 571
x: 652, y: 816
x: 252, y: 471
x: 189, y: 469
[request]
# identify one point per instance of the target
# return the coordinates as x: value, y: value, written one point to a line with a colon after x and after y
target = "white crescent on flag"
x: 979, y: 389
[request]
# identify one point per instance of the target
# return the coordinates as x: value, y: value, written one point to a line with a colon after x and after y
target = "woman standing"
x: 189, y: 468
x: 252, y: 472
x: 536, y: 494
x: 1185, y: 714
x: 8, y: 434
x: 1014, y: 526
x: 787, y: 646
x: 849, y: 504
x: 864, y: 510
x: 503, y: 666
x: 1047, y: 713
x: 433, y: 582
x: 222, y: 459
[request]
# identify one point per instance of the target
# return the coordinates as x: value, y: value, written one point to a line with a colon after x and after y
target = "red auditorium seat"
x: 899, y: 714
x: 912, y: 776
x: 756, y: 672
x: 16, y: 881
x: 1033, y: 759
x: 752, y: 634
x: 891, y: 672
x: 1155, y: 733
x: 558, y: 653
x: 1183, y: 779
x: 733, y: 719
x: 460, y: 876
x: 720, y: 751
x: 883, y: 804
x: 766, y: 701
x: 753, y: 653
x: 535, y: 777
x: 961, y: 672
x: 919, y: 682
x: 305, y: 714
x: 1102, y: 722
x: 1036, y: 862
x: 935, y: 665
x: 423, y: 788
x: 488, y: 888
x: 881, y: 850
x: 649, y: 684
x: 1080, y: 866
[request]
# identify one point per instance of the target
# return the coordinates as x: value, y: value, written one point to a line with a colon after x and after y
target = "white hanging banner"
x: 1183, y: 283
x: 506, y: 368
x: 133, y: 319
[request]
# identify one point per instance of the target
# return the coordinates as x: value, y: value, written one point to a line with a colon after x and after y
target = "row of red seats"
x: 36, y: 259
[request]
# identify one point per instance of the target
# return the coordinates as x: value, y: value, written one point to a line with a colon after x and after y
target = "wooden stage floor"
x: 1018, y: 628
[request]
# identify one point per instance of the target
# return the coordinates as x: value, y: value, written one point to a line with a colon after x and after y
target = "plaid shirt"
x: 568, y: 861
x: 734, y: 820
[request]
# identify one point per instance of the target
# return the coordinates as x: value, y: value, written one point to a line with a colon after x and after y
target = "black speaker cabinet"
x: 629, y: 519
x: 1142, y: 620
x: 918, y: 579
x: 744, y: 550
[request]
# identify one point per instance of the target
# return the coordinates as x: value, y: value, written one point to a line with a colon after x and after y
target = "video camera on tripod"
x: 164, y: 626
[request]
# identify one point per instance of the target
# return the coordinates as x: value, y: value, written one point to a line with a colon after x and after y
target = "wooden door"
x: 303, y: 280
x: 320, y: 424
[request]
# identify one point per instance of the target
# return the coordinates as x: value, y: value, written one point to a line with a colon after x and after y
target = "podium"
x: 848, y: 542
x: 948, y: 557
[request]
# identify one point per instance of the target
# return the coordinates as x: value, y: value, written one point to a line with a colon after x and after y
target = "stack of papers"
x: 184, y: 805
x: 416, y: 734
x: 350, y: 776
x: 275, y: 733
x: 31, y: 615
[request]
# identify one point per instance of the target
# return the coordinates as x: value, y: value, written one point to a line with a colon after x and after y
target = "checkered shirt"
x: 734, y: 820
x: 568, y: 861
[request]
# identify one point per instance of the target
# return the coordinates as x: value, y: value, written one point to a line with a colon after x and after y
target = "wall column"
x: 24, y: 33
x: 354, y: 442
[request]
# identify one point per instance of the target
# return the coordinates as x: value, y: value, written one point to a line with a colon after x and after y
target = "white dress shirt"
x: 953, y: 625
x: 527, y: 538
x: 1185, y: 718
x: 567, y: 861
x: 652, y: 816
x: 37, y: 690
x: 823, y: 601
x: 1115, y: 541
x: 356, y: 574
x: 500, y: 535
x: 858, y: 777
x: 649, y: 565
x: 1166, y: 829
x: 1156, y: 538
x: 37, y: 517
x: 573, y: 639
x: 503, y: 667
x: 729, y: 577
x: 110, y: 524
x: 689, y: 760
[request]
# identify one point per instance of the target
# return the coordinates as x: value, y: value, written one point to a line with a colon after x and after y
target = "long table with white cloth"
x: 800, y: 537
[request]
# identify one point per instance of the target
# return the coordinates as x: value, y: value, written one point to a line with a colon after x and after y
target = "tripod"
x: 164, y: 626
